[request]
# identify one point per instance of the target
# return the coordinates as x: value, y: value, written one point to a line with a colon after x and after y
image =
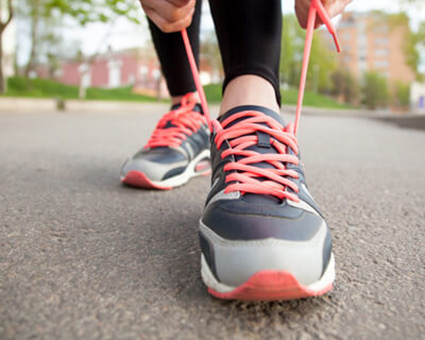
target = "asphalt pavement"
x: 83, y: 257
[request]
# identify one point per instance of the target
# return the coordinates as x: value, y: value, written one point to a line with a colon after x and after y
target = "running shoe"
x: 177, y: 150
x: 262, y: 235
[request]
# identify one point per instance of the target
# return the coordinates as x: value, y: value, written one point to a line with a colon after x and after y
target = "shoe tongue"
x: 263, y: 147
x: 268, y: 112
x: 196, y: 108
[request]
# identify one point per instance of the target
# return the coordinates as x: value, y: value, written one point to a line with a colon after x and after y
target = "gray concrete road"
x: 82, y: 257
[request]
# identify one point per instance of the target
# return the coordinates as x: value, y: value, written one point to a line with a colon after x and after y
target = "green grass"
x: 39, y: 88
x: 313, y: 99
x: 213, y: 93
x: 43, y: 88
x: 289, y: 97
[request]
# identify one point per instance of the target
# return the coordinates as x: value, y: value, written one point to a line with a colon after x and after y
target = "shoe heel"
x: 203, y: 167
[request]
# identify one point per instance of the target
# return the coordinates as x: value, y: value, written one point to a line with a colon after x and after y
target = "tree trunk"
x: 2, y: 78
x: 34, y: 38
x: 3, y: 26
x: 82, y: 91
x: 82, y: 88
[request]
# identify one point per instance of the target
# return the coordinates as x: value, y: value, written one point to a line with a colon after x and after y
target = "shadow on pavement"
x: 407, y: 122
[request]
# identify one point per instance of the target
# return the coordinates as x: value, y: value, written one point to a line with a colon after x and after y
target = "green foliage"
x: 88, y: 11
x: 211, y: 52
x: 416, y: 44
x: 402, y: 95
x: 397, y: 19
x: 322, y: 61
x: 291, y: 52
x: 413, y: 41
x: 346, y: 86
x: 375, y: 90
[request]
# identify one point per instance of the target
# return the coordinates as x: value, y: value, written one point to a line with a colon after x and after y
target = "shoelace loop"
x: 249, y: 178
x: 174, y: 127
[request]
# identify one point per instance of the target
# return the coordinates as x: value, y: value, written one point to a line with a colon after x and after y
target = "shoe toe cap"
x: 237, y: 246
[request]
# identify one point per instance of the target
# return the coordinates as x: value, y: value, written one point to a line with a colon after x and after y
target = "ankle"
x: 177, y: 99
x: 249, y: 90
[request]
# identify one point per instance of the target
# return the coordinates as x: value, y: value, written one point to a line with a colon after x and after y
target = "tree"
x: 3, y: 26
x: 322, y: 61
x: 413, y: 41
x: 210, y: 51
x: 417, y: 44
x: 375, y: 90
x: 50, y: 13
x: 402, y: 95
x: 89, y: 11
x: 291, y: 51
x: 346, y: 87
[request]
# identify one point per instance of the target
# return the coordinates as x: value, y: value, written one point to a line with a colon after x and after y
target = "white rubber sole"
x: 137, y: 178
x: 316, y: 288
x: 189, y: 173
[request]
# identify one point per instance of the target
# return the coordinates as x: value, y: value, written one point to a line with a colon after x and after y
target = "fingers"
x: 167, y: 26
x: 301, y: 10
x: 333, y: 7
x: 170, y: 15
x: 178, y: 3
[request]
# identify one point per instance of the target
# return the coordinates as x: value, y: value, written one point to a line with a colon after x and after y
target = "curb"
x: 16, y: 104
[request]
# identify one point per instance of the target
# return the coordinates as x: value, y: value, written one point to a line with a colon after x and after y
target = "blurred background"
x: 101, y: 49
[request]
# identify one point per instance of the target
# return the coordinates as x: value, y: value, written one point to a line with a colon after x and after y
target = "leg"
x: 249, y: 35
x: 262, y: 235
x: 173, y: 59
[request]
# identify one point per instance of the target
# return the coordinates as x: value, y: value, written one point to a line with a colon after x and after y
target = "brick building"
x: 374, y: 42
x: 138, y: 68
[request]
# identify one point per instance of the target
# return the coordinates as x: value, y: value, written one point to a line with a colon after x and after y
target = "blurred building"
x: 138, y: 68
x: 374, y: 42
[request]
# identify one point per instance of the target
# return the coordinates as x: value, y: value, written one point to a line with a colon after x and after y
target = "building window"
x: 381, y: 64
x: 381, y: 29
x: 362, y: 42
x: 346, y: 36
x: 383, y: 52
x: 381, y: 41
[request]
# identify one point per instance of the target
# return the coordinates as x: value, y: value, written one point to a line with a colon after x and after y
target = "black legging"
x: 249, y: 35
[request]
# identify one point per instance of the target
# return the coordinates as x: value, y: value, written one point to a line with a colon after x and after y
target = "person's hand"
x: 333, y: 7
x: 169, y: 15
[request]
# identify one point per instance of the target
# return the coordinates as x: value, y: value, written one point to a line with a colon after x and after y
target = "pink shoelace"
x: 242, y: 135
x: 174, y: 127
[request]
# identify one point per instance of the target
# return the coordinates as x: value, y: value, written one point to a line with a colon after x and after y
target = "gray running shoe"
x: 262, y: 235
x: 177, y: 150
